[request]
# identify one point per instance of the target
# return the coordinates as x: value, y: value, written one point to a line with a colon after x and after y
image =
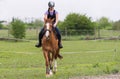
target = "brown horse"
x: 50, y: 47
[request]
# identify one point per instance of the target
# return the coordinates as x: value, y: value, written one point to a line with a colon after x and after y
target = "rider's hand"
x: 54, y: 25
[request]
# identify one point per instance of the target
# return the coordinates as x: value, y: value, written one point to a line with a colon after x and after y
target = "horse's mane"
x: 49, y: 20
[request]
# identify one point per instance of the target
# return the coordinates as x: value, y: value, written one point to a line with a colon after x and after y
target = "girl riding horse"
x: 50, y: 14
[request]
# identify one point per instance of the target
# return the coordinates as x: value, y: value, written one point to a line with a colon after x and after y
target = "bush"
x: 1, y: 26
x: 114, y: 71
x: 18, y: 29
x: 75, y: 21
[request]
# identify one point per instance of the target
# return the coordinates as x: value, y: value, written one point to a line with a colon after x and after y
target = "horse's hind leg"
x: 55, y: 61
x: 55, y: 66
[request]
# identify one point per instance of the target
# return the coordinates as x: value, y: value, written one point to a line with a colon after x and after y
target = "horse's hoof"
x: 47, y: 75
x: 55, y: 70
x: 51, y: 73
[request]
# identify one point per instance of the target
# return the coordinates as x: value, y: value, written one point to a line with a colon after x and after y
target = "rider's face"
x: 51, y: 8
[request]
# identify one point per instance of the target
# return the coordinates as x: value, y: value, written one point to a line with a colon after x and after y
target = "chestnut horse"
x: 50, y: 47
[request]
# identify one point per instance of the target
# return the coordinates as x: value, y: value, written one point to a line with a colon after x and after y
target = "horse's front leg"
x: 46, y: 63
x: 50, y: 64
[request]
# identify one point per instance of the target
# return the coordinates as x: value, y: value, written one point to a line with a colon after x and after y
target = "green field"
x: 21, y: 60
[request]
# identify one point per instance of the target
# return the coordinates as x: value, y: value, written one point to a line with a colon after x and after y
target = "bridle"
x: 48, y: 29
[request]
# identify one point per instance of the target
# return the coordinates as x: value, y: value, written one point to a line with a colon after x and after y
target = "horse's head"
x: 48, y: 27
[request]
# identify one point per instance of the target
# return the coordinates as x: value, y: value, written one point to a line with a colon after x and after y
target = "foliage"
x: 115, y: 71
x: 1, y: 26
x: 35, y: 24
x: 38, y: 22
x: 76, y: 21
x: 116, y: 25
x: 104, y: 23
x: 18, y: 28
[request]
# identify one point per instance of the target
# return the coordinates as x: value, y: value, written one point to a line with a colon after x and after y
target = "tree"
x: 116, y: 25
x: 1, y: 26
x: 104, y: 23
x: 38, y: 23
x: 75, y: 22
x: 18, y: 28
x: 35, y: 24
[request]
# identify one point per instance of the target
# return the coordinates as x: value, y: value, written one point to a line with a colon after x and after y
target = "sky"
x: 36, y: 8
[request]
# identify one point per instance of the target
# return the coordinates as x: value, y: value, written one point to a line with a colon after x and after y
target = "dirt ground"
x: 116, y: 76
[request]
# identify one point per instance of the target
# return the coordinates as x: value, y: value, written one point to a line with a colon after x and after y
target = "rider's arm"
x: 45, y: 17
x: 56, y: 20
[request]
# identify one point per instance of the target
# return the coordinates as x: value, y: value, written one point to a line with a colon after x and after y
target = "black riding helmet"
x: 51, y: 4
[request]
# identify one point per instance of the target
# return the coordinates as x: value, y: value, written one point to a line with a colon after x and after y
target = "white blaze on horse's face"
x: 47, y: 32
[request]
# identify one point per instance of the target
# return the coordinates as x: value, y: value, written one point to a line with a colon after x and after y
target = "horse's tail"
x: 57, y: 54
x: 60, y: 56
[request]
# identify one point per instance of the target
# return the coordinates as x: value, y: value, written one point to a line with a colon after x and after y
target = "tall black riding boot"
x: 59, y: 37
x: 39, y: 44
x: 40, y: 37
x: 60, y: 44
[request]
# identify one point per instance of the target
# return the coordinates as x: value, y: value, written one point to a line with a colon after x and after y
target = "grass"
x: 21, y: 60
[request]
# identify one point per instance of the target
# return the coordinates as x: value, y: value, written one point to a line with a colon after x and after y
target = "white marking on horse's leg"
x: 51, y: 73
x: 55, y: 65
